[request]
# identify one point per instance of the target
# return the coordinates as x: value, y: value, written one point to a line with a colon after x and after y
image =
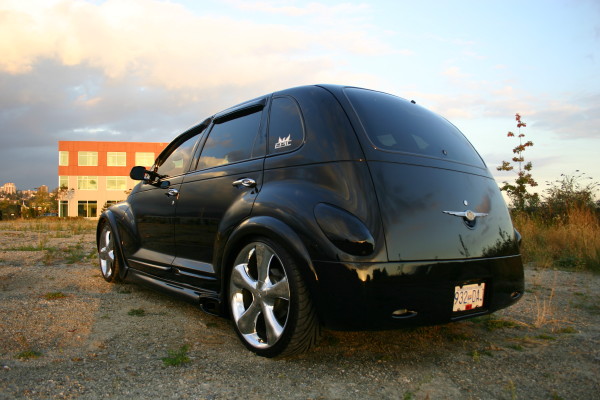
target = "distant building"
x: 8, y: 188
x: 94, y: 174
x: 43, y: 189
x: 27, y: 194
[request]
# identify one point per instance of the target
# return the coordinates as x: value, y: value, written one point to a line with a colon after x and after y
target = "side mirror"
x: 142, y: 174
x: 139, y: 174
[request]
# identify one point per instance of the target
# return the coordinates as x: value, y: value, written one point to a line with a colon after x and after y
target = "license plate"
x: 468, y: 297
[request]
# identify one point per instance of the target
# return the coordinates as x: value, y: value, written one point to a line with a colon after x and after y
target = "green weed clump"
x: 54, y: 295
x: 137, y: 312
x: 28, y: 354
x: 569, y: 242
x: 177, y: 357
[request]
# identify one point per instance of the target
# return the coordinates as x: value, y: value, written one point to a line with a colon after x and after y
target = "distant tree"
x: 41, y: 203
x: 570, y: 193
x: 521, y: 199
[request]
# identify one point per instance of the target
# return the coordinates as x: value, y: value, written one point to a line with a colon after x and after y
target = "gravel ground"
x: 66, y: 333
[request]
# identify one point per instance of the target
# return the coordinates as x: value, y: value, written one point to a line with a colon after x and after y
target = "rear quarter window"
x: 286, y: 132
x: 396, y: 125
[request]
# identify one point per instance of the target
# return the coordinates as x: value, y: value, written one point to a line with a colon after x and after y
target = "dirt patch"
x: 66, y: 333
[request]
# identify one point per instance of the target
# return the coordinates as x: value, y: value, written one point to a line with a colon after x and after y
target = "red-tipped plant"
x: 517, y: 192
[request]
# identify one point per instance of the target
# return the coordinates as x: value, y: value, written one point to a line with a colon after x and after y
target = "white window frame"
x: 87, y: 158
x: 63, y: 158
x: 142, y: 158
x: 116, y: 159
x: 63, y: 181
x: 88, y: 204
x: 113, y: 181
x: 85, y: 183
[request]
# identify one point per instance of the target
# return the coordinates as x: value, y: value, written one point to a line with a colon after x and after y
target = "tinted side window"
x: 394, y: 124
x: 285, y: 126
x: 230, y: 141
x: 179, y: 160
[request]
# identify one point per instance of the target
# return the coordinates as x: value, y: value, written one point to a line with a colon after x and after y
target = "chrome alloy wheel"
x: 259, y: 295
x: 106, y: 253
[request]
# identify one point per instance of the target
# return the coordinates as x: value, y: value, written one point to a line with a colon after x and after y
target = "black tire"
x: 107, y: 254
x: 269, y: 302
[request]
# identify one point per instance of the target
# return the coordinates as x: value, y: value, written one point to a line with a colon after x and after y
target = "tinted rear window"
x: 397, y: 125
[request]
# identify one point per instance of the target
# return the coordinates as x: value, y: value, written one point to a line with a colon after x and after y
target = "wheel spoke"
x: 241, y: 279
x: 247, y: 321
x: 274, y: 328
x: 264, y: 255
x: 280, y: 290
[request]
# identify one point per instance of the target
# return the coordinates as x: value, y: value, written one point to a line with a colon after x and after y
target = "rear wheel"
x: 270, y: 305
x: 109, y: 262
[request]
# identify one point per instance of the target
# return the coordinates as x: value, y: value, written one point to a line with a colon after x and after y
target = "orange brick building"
x: 92, y: 175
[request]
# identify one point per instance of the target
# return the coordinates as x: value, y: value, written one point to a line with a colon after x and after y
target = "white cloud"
x: 165, y: 44
x: 572, y: 117
x: 310, y: 9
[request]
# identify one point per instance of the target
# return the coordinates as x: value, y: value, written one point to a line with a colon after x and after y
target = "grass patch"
x: 42, y: 230
x: 543, y: 336
x: 592, y: 308
x: 453, y: 336
x: 491, y: 324
x: 568, y: 329
x: 137, y: 312
x: 66, y: 226
x: 69, y: 254
x: 54, y: 295
x: 24, y: 248
x: 28, y: 354
x: 571, y: 242
x: 177, y: 357
x: 511, y: 388
x: 408, y: 396
x: 75, y: 254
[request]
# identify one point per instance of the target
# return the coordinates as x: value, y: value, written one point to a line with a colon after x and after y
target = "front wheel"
x: 270, y: 305
x: 107, y: 253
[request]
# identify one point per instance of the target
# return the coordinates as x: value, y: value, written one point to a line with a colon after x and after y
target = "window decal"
x: 285, y: 142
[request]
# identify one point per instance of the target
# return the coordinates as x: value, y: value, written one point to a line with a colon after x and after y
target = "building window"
x: 63, y: 158
x: 144, y: 159
x: 86, y: 208
x: 63, y: 182
x: 116, y: 159
x: 87, y: 158
x: 116, y: 183
x: 63, y: 208
x: 87, y: 182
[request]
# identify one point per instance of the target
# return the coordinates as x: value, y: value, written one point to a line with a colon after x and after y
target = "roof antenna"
x: 414, y: 102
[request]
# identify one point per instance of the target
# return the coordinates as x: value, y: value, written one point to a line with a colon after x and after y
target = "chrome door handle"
x: 250, y: 183
x: 172, y: 193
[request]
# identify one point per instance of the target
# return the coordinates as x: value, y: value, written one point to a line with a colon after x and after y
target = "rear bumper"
x: 364, y: 296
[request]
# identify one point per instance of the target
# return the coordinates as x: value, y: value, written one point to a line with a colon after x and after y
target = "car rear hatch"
x: 438, y: 201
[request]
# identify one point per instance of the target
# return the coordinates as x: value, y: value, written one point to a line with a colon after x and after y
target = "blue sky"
x: 144, y: 70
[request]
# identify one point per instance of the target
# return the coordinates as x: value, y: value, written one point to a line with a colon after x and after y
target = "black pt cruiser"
x: 318, y: 206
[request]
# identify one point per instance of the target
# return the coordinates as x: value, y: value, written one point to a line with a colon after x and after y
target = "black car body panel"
x: 382, y: 234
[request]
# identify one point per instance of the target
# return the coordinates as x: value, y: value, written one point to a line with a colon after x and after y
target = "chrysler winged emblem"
x: 468, y: 215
